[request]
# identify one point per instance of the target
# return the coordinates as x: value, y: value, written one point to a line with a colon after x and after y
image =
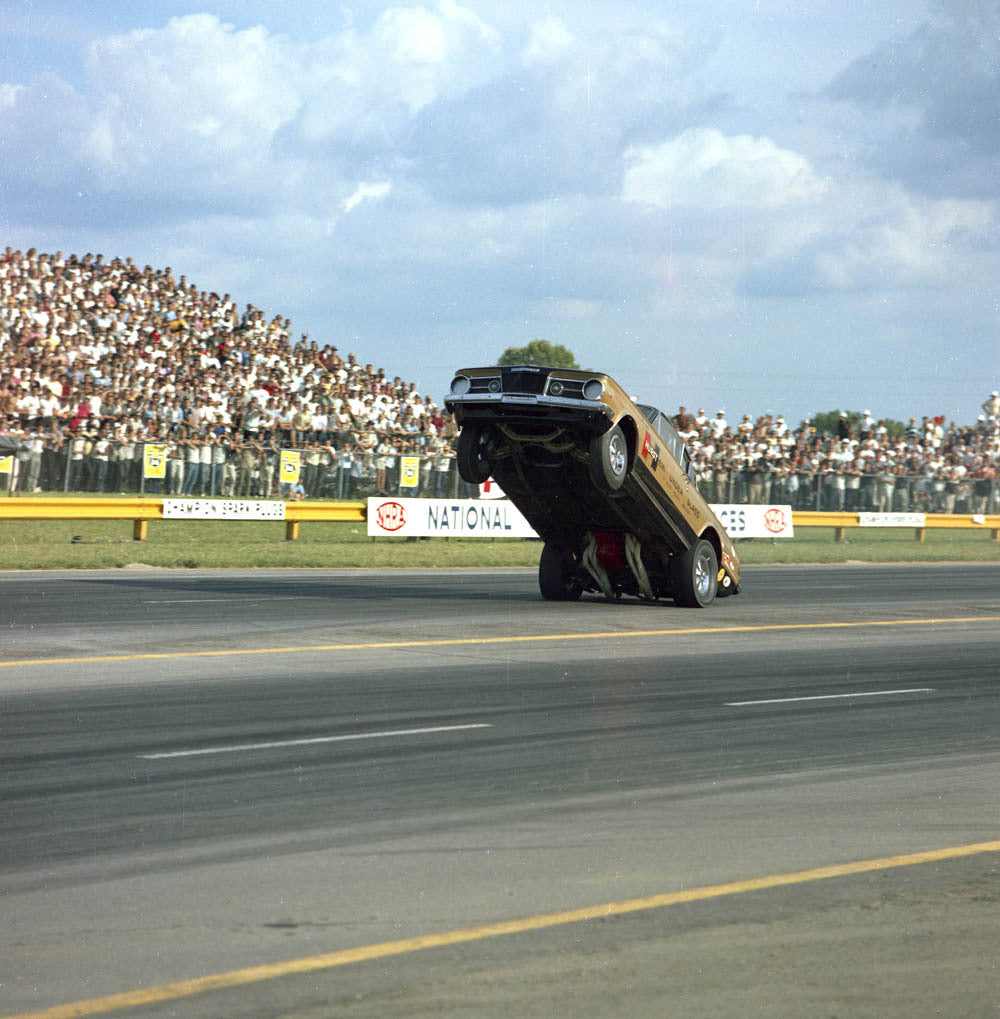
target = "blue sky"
x: 743, y: 205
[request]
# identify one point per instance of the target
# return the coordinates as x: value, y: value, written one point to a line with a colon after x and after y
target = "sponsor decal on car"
x: 650, y: 451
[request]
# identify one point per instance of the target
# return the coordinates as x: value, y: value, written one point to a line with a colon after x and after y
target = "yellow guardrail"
x: 141, y: 509
x: 841, y: 521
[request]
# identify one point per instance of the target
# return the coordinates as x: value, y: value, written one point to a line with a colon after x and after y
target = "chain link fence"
x: 118, y: 468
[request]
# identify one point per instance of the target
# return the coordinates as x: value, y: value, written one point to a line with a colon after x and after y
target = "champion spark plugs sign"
x: 444, y: 518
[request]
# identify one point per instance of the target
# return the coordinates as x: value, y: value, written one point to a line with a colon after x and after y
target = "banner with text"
x: 892, y: 520
x: 446, y: 518
x: 756, y: 521
x: 223, y: 509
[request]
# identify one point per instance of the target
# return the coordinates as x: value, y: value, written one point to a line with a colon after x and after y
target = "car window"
x: 664, y: 427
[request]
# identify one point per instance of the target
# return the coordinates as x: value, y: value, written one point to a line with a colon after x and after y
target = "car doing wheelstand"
x: 605, y: 482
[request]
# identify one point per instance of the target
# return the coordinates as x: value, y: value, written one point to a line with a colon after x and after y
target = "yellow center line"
x: 510, y: 639
x: 330, y: 960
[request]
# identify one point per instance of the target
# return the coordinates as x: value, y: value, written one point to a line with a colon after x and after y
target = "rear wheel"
x: 555, y: 576
x: 609, y: 459
x: 696, y: 576
x: 473, y: 463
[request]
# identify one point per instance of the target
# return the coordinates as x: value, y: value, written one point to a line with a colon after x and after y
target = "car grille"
x: 523, y: 382
x: 526, y: 383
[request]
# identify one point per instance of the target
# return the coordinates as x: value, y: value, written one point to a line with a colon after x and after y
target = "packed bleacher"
x: 99, y: 358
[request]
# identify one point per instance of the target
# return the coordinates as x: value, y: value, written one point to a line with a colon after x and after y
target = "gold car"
x: 606, y: 483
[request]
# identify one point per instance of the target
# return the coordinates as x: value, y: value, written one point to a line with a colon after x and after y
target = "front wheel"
x: 555, y: 577
x: 609, y: 459
x: 696, y: 576
x: 473, y: 463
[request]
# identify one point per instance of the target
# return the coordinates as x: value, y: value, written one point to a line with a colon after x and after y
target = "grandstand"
x: 99, y: 358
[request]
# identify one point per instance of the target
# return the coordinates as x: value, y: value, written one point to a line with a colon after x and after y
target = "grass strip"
x: 218, y: 544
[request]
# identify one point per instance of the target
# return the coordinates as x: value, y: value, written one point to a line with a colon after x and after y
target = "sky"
x: 757, y: 206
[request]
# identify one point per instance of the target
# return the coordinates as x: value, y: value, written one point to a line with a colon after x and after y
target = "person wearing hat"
x: 991, y: 405
x: 843, y: 426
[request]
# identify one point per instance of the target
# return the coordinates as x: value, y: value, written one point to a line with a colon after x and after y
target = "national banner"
x: 500, y: 518
x: 446, y: 518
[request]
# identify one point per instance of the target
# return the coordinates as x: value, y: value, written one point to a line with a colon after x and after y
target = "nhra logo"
x: 774, y: 520
x: 391, y: 516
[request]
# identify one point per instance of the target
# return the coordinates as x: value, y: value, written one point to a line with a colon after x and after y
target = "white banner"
x: 756, y: 521
x: 223, y: 509
x: 444, y: 518
x: 892, y: 519
x: 489, y: 489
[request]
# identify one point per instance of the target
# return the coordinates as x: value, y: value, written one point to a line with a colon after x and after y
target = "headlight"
x: 556, y: 388
x: 592, y: 389
x: 494, y: 386
x: 460, y: 385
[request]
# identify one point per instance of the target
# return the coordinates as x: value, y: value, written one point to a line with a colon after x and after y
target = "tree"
x: 539, y: 352
x: 826, y: 423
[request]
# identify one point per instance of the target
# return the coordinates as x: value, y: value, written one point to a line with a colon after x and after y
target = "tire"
x: 696, y: 576
x: 609, y: 459
x: 554, y: 579
x: 473, y: 463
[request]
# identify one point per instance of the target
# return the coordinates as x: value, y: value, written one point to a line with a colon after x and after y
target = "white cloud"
x: 917, y: 243
x: 9, y: 95
x: 195, y: 83
x: 548, y: 41
x: 365, y: 192
x: 704, y: 169
x: 422, y: 53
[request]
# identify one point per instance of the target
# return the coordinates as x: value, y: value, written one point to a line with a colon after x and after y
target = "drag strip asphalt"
x: 228, y: 793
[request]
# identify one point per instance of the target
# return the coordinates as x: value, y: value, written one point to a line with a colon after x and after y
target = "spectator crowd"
x: 932, y: 466
x: 99, y: 358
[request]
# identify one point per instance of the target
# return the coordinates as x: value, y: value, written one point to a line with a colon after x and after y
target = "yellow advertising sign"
x: 409, y: 471
x: 154, y: 460
x: 6, y: 465
x: 289, y: 469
